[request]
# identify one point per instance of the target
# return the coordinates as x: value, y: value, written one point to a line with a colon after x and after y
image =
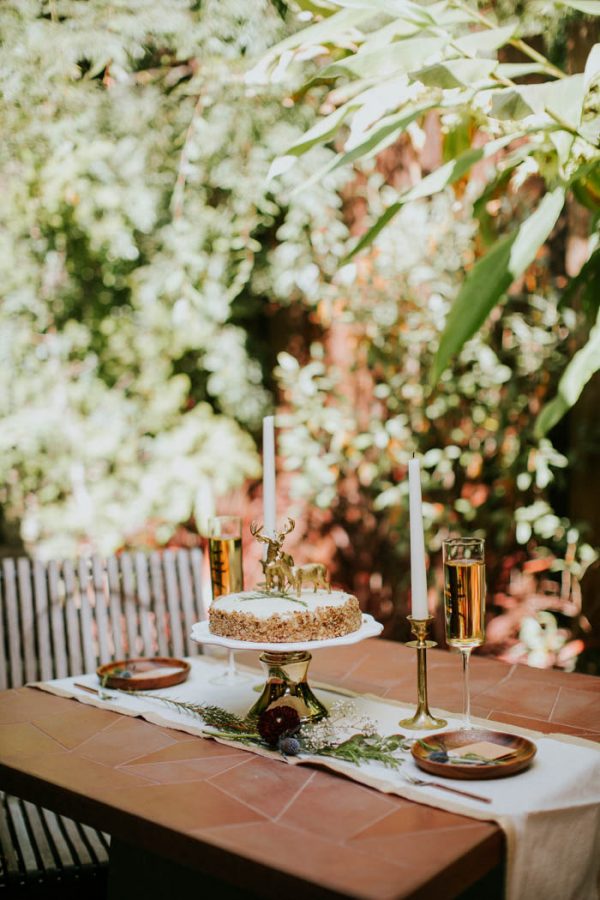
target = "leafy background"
x: 160, y: 294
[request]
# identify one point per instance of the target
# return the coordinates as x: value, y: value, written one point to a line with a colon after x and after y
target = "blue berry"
x: 289, y: 746
x: 438, y: 756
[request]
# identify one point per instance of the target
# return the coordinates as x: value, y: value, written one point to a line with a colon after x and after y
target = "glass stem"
x: 466, y: 656
x: 231, y: 664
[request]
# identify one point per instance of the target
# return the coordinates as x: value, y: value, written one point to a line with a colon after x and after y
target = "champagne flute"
x: 226, y: 574
x: 464, y: 603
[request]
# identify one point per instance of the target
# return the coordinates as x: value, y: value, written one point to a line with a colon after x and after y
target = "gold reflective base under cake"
x: 287, y: 686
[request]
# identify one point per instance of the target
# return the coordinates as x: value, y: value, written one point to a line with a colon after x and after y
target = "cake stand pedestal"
x: 287, y: 685
x: 286, y: 667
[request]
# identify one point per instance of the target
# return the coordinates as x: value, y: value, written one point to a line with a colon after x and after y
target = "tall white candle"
x: 418, y: 575
x: 269, y: 509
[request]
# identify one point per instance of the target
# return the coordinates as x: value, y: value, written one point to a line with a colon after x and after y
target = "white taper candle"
x: 418, y: 574
x: 269, y: 508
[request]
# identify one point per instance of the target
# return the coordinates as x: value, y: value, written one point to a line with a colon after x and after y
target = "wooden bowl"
x: 143, y: 673
x: 521, y: 751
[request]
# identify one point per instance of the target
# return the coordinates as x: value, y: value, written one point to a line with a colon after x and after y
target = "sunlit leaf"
x: 400, y: 8
x: 592, y: 66
x: 519, y: 70
x: 563, y: 97
x: 453, y: 73
x: 491, y: 277
x: 575, y: 377
x: 509, y: 103
x: 586, y: 187
x: 321, y: 9
x: 457, y: 140
x: 331, y: 28
x: 487, y: 40
x: 383, y: 37
x: 401, y: 56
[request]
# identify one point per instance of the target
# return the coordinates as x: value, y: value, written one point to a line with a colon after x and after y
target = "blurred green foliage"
x: 466, y: 169
x: 388, y: 67
x: 351, y: 428
x: 134, y: 263
x: 143, y: 253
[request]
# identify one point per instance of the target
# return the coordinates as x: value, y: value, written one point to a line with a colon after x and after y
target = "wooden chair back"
x: 65, y: 618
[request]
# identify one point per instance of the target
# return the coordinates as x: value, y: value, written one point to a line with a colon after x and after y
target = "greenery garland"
x: 293, y: 739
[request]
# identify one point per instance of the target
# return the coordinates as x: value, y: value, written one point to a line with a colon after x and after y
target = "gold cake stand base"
x: 287, y: 685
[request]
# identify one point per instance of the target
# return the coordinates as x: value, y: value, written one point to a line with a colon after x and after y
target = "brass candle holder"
x: 422, y: 719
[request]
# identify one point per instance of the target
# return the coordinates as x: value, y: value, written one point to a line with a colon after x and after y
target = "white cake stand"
x: 286, y: 666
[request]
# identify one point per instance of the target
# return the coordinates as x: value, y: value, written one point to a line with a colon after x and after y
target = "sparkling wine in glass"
x: 464, y: 603
x: 225, y: 556
x: 226, y: 574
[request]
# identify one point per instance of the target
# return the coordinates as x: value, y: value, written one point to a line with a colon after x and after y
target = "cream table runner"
x: 550, y: 813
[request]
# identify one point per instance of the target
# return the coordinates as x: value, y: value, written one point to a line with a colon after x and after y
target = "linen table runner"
x: 550, y: 813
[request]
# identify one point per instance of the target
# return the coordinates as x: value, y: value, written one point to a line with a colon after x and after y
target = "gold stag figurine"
x: 274, y: 544
x: 280, y: 572
x: 277, y: 562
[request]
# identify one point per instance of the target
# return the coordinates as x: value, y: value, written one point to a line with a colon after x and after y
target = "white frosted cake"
x: 277, y: 618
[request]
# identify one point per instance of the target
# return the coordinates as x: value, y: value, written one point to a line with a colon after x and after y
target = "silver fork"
x: 446, y: 787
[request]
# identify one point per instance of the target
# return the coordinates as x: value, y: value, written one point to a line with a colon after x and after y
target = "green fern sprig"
x: 213, y: 716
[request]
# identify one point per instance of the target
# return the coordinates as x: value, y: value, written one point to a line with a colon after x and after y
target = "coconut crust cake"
x: 278, y: 618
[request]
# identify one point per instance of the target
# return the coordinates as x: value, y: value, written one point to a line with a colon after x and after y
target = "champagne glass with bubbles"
x: 226, y: 574
x: 464, y: 603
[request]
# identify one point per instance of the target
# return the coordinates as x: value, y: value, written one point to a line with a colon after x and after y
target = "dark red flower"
x: 277, y: 722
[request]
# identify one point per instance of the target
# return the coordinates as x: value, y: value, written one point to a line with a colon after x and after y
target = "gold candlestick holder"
x: 422, y: 719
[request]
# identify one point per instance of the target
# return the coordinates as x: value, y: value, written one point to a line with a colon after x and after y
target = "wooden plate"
x: 144, y: 673
x: 429, y: 754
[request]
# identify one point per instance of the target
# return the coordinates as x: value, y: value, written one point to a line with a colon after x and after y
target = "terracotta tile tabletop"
x: 270, y: 828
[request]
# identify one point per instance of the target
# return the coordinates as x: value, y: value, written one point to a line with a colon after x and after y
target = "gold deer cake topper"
x: 279, y: 570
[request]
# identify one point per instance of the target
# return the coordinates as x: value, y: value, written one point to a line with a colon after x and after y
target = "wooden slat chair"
x: 63, y: 618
